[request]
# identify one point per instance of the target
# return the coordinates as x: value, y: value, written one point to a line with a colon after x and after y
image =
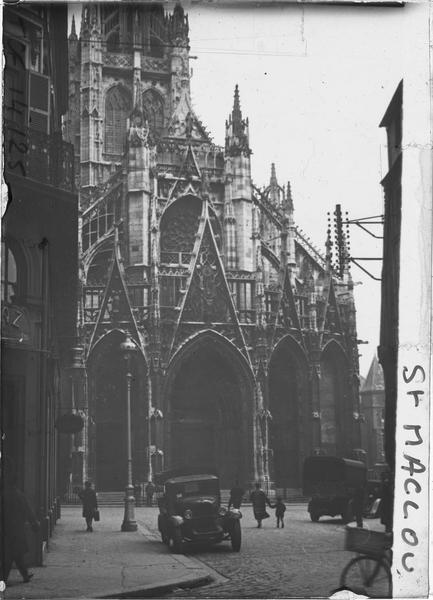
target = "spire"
x: 328, y: 245
x: 178, y: 12
x: 274, y: 188
x: 179, y: 25
x: 289, y: 198
x: 236, y: 112
x: 237, y: 133
x: 273, y: 181
x: 73, y: 35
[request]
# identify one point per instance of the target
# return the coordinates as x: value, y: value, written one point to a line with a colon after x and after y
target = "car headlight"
x: 188, y: 514
x: 222, y: 511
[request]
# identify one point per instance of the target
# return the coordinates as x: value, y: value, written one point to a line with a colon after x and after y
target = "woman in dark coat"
x: 16, y: 512
x: 259, y: 501
x: 90, y: 504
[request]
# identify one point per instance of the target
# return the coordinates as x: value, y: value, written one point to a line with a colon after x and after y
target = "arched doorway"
x: 334, y: 401
x: 288, y: 398
x: 107, y: 370
x: 209, y: 411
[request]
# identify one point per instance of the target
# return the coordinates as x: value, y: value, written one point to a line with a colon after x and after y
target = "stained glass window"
x: 180, y: 224
x: 153, y: 106
x: 117, y: 110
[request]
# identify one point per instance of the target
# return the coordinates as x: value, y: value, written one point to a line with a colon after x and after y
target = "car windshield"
x: 194, y: 488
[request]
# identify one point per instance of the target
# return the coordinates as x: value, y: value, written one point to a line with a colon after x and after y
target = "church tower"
x: 238, y: 186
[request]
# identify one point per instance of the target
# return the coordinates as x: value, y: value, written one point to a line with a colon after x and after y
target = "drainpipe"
x: 43, y: 493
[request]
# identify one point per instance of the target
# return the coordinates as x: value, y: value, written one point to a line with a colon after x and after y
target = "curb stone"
x: 152, y: 590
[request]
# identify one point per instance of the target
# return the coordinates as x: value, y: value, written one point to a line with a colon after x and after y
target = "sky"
x: 314, y: 82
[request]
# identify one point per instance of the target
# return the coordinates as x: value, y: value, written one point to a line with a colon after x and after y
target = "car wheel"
x: 314, y: 517
x: 236, y: 536
x: 177, y: 541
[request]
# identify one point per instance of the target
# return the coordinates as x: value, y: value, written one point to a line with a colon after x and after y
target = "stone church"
x: 244, y: 348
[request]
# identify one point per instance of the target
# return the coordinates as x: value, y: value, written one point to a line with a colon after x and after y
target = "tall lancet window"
x: 117, y: 110
x: 153, y: 106
x: 111, y: 28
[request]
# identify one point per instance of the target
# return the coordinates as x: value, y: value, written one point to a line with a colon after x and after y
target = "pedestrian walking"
x: 236, y: 496
x: 90, y: 504
x: 280, y: 509
x: 150, y: 490
x: 259, y: 501
x: 16, y: 512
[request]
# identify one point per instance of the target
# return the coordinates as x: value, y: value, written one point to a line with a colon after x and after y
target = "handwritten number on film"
x: 18, y: 108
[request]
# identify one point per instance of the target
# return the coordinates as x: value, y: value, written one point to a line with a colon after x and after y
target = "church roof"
x: 374, y: 381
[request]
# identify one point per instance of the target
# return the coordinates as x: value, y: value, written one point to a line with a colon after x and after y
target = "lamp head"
x: 127, y: 347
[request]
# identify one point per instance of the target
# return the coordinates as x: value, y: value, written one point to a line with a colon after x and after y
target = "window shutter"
x: 39, y: 101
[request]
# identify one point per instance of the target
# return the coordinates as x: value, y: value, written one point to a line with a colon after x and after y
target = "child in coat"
x: 280, y: 509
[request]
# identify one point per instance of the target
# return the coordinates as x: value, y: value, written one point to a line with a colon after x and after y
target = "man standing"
x: 16, y: 512
x: 236, y: 496
x: 90, y: 504
x: 150, y: 490
x: 259, y: 501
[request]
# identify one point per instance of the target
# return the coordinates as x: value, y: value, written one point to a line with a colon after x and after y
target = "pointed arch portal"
x: 107, y: 407
x: 209, y: 411
x: 288, y: 398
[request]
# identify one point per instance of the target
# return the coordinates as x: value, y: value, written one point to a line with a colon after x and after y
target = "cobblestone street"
x: 303, y: 559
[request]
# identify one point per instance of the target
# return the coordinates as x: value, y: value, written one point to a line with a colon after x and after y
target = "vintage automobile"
x: 331, y: 482
x: 190, y: 511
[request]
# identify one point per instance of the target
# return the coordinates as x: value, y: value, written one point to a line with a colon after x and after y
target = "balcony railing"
x: 39, y: 156
x: 176, y: 258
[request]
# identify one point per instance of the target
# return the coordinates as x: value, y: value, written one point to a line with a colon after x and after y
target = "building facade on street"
x: 372, y: 400
x: 388, y: 348
x: 38, y: 257
x: 245, y: 338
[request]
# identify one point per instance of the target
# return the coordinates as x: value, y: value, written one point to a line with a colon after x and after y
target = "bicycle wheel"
x: 368, y: 576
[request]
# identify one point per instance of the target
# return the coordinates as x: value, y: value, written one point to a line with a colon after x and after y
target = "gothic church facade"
x: 244, y: 334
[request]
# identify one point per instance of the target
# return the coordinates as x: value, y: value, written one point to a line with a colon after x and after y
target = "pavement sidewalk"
x: 107, y: 563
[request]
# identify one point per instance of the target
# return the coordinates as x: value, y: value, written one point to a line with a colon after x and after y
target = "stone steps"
x: 111, y: 498
x: 290, y: 496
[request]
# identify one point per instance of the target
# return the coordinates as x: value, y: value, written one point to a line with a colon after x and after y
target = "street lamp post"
x: 129, y: 524
x: 149, y: 430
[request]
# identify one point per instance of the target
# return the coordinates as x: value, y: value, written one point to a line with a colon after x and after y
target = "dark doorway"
x: 206, y: 414
x: 12, y: 421
x: 287, y: 385
x: 109, y: 408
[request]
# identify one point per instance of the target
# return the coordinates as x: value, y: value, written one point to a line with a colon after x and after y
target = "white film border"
x: 411, y: 508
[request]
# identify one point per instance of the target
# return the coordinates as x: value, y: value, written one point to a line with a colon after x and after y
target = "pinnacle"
x: 237, y: 128
x: 328, y: 247
x: 289, y: 198
x: 178, y: 9
x: 73, y: 34
x: 273, y: 181
x: 236, y: 113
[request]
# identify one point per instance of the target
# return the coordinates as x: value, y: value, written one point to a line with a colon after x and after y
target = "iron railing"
x: 36, y: 155
x: 176, y: 258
